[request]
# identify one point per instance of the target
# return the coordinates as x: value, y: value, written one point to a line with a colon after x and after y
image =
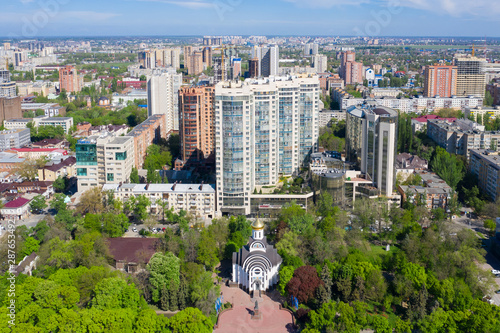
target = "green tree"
x: 164, y: 270
x: 285, y: 274
x: 448, y: 167
x: 490, y: 225
x: 115, y: 293
x: 60, y: 184
x: 190, y: 320
x: 381, y: 325
x: 134, y: 176
x: 207, y: 250
x: 58, y: 202
x: 38, y: 204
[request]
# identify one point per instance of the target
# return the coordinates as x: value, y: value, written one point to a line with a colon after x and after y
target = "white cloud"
x: 461, y: 8
x: 87, y: 15
x: 193, y: 4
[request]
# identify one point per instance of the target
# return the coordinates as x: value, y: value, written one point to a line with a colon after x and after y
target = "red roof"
x: 41, y: 150
x: 19, y: 202
x: 423, y: 119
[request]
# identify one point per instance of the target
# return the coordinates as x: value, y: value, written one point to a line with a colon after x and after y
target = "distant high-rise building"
x: 6, y: 46
x: 470, y: 76
x: 253, y: 67
x: 188, y: 50
x: 212, y: 40
x: 311, y: 49
x: 371, y: 141
x: 207, y: 57
x: 320, y: 63
x: 196, y: 124
x: 263, y: 129
x: 147, y: 59
x: 69, y: 79
x: 236, y: 68
x: 7, y: 87
x: 195, y: 63
x: 440, y: 80
x: 163, y: 89
x: 172, y: 57
x: 350, y: 70
x: 268, y: 57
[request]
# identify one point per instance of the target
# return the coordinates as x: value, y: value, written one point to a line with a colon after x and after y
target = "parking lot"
x: 133, y: 230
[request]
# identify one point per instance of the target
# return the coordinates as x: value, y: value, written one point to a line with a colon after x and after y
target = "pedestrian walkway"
x: 238, y: 320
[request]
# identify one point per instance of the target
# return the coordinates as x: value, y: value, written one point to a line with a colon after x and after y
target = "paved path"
x: 238, y: 320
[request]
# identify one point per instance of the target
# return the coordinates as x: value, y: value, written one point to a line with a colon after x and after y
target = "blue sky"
x: 38, y: 18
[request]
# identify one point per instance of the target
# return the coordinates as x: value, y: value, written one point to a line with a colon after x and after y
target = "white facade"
x: 163, y: 97
x: 196, y: 199
x: 104, y: 160
x: 320, y: 63
x: 263, y: 129
x: 65, y: 122
x: 268, y: 59
x: 256, y: 265
x: 370, y: 75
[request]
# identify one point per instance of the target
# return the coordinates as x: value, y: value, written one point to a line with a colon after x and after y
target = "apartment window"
x: 81, y: 171
x: 121, y: 156
x: 110, y: 177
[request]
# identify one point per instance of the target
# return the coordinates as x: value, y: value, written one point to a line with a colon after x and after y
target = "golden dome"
x: 258, y: 225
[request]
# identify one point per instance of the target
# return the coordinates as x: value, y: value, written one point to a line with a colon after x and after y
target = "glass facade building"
x: 264, y: 129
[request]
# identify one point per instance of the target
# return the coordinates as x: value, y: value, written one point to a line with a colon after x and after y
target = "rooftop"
x: 132, y: 249
x: 164, y: 188
x: 17, y: 203
x: 492, y: 157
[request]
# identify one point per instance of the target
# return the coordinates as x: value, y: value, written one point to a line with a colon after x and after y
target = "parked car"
x: 134, y: 229
x: 494, y: 271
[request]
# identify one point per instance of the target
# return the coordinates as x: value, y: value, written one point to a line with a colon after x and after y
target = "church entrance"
x: 257, y: 289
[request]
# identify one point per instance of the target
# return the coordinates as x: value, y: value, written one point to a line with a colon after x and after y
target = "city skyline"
x: 31, y: 18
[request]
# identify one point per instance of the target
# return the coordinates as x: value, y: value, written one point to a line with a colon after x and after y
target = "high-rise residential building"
x: 196, y: 124
x: 10, y: 108
x: 263, y: 129
x: 268, y: 57
x: 187, y: 56
x: 470, y: 76
x: 147, y: 59
x: 253, y: 67
x: 440, y: 80
x: 146, y: 133
x: 168, y: 57
x: 236, y: 68
x: 104, y: 160
x: 69, y: 79
x: 350, y: 70
x: 212, y: 40
x: 207, y: 57
x: 195, y: 63
x: 485, y: 165
x: 7, y: 87
x: 163, y: 89
x: 320, y: 63
x: 371, y: 140
x: 311, y: 49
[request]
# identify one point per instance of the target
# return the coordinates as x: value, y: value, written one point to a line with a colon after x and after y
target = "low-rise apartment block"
x: 461, y: 136
x: 102, y: 160
x: 485, y: 165
x: 50, y: 109
x: 433, y: 193
x: 480, y: 114
x: 196, y: 199
x: 14, y: 138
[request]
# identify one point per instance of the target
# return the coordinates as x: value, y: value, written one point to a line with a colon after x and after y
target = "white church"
x: 256, y: 265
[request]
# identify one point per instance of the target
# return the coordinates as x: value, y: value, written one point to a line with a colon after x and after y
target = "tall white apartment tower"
x: 268, y: 57
x: 163, y: 96
x: 263, y: 129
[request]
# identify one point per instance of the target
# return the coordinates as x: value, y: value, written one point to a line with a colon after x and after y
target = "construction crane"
x: 222, y: 62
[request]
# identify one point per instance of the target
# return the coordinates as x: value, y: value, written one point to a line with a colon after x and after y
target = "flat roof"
x: 164, y: 188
